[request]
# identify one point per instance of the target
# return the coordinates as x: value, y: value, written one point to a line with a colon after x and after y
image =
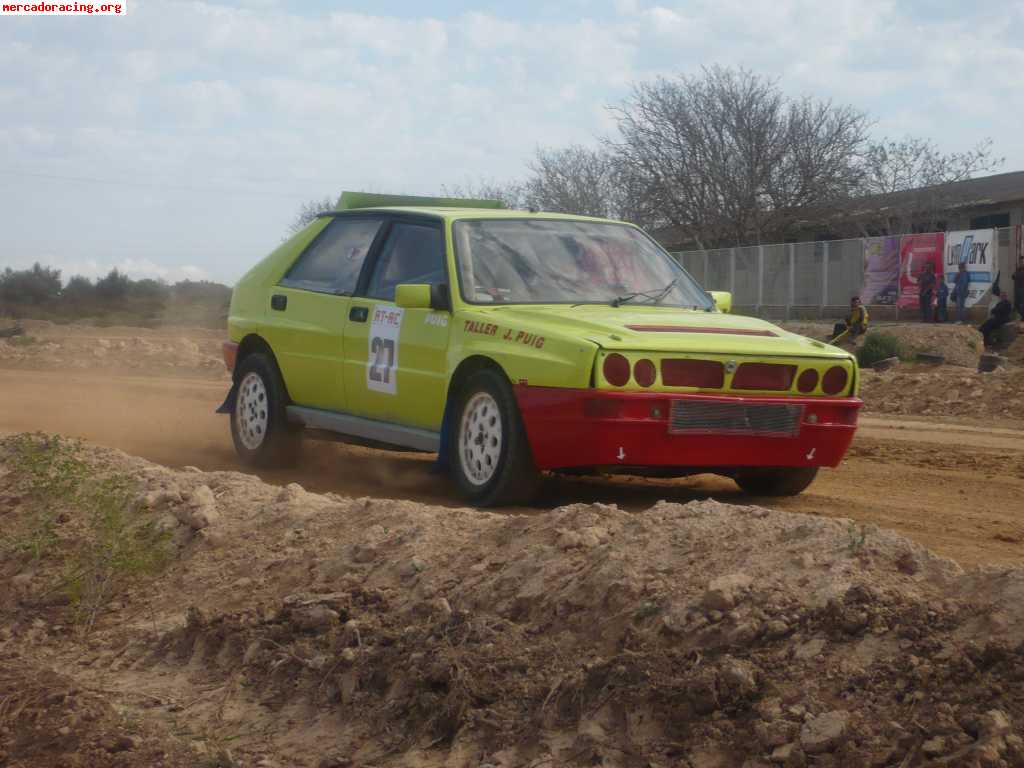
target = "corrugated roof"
x: 969, y: 193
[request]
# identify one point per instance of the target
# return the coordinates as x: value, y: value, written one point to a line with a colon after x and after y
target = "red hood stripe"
x: 698, y: 329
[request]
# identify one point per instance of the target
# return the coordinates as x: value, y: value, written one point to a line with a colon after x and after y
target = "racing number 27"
x: 383, y: 351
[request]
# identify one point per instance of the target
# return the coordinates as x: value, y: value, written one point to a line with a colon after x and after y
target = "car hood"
x: 662, y: 329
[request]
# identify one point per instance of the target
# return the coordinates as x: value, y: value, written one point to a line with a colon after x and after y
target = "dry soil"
x: 351, y: 613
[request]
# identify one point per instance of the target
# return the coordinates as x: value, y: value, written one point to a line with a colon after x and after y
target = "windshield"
x: 545, y: 261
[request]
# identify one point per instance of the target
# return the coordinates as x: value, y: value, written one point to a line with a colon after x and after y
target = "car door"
x: 395, y: 358
x: 309, y: 309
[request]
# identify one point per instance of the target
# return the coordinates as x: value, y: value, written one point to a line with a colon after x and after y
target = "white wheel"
x: 252, y: 411
x: 480, y: 438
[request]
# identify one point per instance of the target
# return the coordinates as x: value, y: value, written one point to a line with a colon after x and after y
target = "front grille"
x: 695, y: 416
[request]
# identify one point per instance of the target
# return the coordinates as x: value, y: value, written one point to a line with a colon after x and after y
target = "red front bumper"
x: 597, y: 428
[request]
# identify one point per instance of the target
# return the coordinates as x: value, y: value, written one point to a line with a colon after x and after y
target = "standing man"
x: 941, y: 301
x: 1018, y: 290
x: 926, y: 286
x: 961, y: 286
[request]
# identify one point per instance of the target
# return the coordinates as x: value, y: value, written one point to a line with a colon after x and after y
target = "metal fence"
x: 802, y: 280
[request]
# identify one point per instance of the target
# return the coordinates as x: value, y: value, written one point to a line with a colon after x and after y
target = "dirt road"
x: 955, y: 488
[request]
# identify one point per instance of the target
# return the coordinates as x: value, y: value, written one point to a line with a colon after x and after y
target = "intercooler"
x: 734, y: 418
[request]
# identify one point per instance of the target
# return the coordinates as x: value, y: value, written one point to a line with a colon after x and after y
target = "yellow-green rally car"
x: 513, y: 342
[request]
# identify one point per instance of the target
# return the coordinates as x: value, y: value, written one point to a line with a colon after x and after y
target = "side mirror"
x: 413, y: 296
x: 417, y: 296
x: 723, y: 301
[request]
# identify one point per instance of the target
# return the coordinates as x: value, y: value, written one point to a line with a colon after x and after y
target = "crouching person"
x: 856, y: 323
x: 1001, y: 314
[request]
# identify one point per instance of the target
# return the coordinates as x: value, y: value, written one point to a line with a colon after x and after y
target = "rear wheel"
x: 259, y: 424
x: 775, y: 481
x: 490, y: 455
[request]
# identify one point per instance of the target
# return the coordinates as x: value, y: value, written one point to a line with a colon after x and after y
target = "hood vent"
x: 699, y: 329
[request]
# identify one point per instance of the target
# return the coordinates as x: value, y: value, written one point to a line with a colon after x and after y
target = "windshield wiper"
x: 655, y: 295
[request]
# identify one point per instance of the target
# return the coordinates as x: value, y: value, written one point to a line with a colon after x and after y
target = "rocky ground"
x: 79, y: 346
x: 151, y: 616
x: 952, y: 390
x: 960, y: 345
x: 946, y: 392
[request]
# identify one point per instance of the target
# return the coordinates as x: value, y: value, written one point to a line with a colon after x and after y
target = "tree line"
x: 725, y: 157
x: 40, y: 292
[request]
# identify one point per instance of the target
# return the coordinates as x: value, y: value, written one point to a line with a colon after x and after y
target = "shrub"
x: 879, y: 345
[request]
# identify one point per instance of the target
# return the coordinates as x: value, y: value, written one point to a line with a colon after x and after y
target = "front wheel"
x: 259, y: 424
x: 490, y: 456
x: 775, y: 481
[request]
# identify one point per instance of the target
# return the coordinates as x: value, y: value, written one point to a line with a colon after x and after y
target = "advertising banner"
x: 977, y: 249
x: 881, y: 270
x: 916, y: 251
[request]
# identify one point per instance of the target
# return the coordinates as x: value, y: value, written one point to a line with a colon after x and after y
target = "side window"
x: 332, y: 262
x: 413, y: 253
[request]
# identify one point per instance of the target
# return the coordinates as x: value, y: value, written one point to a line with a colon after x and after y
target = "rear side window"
x: 413, y: 253
x: 332, y: 262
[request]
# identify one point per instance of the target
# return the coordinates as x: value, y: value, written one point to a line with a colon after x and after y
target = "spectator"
x: 856, y: 324
x: 961, y: 287
x: 1001, y: 314
x: 1018, y: 290
x: 926, y: 288
x: 942, y: 297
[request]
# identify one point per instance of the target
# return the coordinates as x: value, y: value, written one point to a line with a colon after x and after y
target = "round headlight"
x: 834, y: 381
x: 616, y: 370
x: 645, y: 373
x: 808, y: 381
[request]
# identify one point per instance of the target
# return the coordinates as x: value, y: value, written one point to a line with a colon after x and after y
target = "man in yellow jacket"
x: 856, y: 324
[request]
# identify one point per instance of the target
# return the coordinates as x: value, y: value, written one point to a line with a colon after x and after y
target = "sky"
x: 179, y: 141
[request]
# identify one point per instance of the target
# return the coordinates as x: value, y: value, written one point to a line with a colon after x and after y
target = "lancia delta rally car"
x: 513, y: 343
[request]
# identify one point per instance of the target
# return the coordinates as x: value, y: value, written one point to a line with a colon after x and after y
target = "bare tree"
x: 574, y: 179
x: 905, y: 185
x: 309, y: 211
x: 912, y: 163
x: 728, y: 158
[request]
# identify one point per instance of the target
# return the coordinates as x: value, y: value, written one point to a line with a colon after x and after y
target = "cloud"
x: 209, y: 123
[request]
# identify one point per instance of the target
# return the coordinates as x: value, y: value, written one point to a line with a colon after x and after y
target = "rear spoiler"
x: 350, y: 201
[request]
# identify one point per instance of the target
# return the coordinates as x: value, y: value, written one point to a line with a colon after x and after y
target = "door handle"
x: 279, y: 302
x: 358, y: 314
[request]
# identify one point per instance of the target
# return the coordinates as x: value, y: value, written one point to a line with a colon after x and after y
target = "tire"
x: 259, y: 424
x: 489, y: 453
x: 775, y: 481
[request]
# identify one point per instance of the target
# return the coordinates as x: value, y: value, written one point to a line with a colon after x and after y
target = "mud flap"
x: 441, y: 465
x: 228, y: 406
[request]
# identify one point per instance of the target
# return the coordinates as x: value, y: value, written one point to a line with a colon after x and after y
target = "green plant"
x: 21, y: 341
x: 114, y: 548
x: 50, y: 469
x: 879, y: 345
x: 856, y: 538
x: 114, y: 552
x: 647, y: 609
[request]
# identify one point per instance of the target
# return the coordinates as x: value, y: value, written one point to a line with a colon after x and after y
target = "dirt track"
x: 174, y: 617
x: 955, y: 488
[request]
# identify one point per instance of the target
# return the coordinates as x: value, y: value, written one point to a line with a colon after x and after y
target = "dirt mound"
x: 959, y: 344
x: 1015, y: 352
x: 270, y: 626
x: 942, y: 392
x: 46, y: 346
